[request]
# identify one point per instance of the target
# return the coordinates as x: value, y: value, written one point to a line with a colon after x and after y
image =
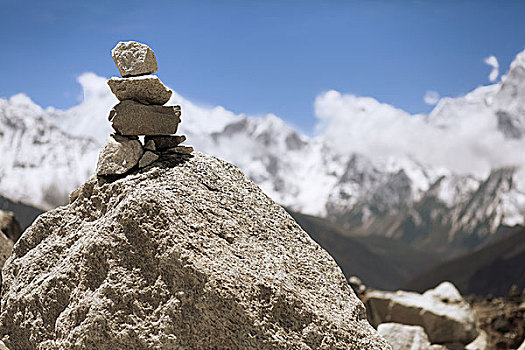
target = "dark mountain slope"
x: 491, y: 269
x: 380, y: 262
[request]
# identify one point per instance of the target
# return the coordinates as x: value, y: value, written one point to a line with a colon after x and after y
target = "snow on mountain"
x: 40, y: 163
x: 371, y: 167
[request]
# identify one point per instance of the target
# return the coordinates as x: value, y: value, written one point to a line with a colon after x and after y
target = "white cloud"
x: 468, y: 143
x: 431, y: 97
x: 493, y: 62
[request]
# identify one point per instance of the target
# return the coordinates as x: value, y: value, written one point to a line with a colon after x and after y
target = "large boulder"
x: 442, y: 312
x: 403, y: 337
x: 179, y: 255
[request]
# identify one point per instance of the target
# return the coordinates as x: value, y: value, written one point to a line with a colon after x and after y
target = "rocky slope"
x: 393, y: 196
x: 176, y: 256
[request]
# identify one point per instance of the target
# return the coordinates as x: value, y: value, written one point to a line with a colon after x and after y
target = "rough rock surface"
x: 118, y: 155
x: 133, y: 58
x: 146, y: 89
x: 133, y: 118
x: 187, y: 255
x: 403, y: 337
x: 442, y: 312
x: 147, y: 159
x: 9, y: 225
x: 164, y: 142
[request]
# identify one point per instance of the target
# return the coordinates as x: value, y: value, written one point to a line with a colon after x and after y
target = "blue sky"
x: 261, y: 57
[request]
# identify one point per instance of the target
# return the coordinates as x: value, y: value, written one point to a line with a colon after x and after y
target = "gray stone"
x: 118, y: 155
x: 9, y: 225
x: 150, y: 145
x: 165, y: 142
x: 442, y: 312
x: 133, y: 58
x: 147, y: 159
x: 180, y: 150
x: 134, y: 118
x: 146, y: 89
x: 188, y: 255
x: 403, y: 337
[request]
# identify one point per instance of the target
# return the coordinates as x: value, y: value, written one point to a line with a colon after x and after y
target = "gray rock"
x: 118, y: 155
x: 9, y: 225
x: 165, y: 142
x: 133, y: 118
x: 146, y: 89
x: 147, y: 159
x: 181, y: 150
x: 403, y: 337
x: 442, y: 312
x: 187, y: 255
x: 150, y: 145
x: 133, y: 58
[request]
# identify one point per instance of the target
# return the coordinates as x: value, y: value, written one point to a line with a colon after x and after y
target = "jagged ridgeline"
x: 172, y: 251
x: 141, y: 111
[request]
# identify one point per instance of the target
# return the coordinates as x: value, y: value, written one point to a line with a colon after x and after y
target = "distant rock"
x: 442, y: 312
x: 187, y: 255
x: 165, y: 142
x: 6, y: 246
x: 134, y: 118
x: 133, y: 58
x: 9, y: 225
x: 146, y: 89
x: 118, y: 155
x: 147, y: 158
x: 403, y: 337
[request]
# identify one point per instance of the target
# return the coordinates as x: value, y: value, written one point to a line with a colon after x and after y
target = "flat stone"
x: 150, y: 145
x: 133, y: 58
x: 118, y: 155
x: 146, y: 89
x: 147, y: 158
x: 180, y: 150
x: 165, y: 142
x: 134, y: 118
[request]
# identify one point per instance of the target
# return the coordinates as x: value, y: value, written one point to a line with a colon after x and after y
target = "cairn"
x: 141, y: 111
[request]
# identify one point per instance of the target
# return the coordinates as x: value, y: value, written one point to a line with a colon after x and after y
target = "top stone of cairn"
x: 133, y: 58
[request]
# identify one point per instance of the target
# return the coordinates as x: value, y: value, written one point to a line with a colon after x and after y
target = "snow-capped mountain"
x: 40, y: 163
x: 47, y: 153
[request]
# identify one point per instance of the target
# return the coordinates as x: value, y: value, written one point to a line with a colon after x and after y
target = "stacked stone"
x: 141, y: 111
